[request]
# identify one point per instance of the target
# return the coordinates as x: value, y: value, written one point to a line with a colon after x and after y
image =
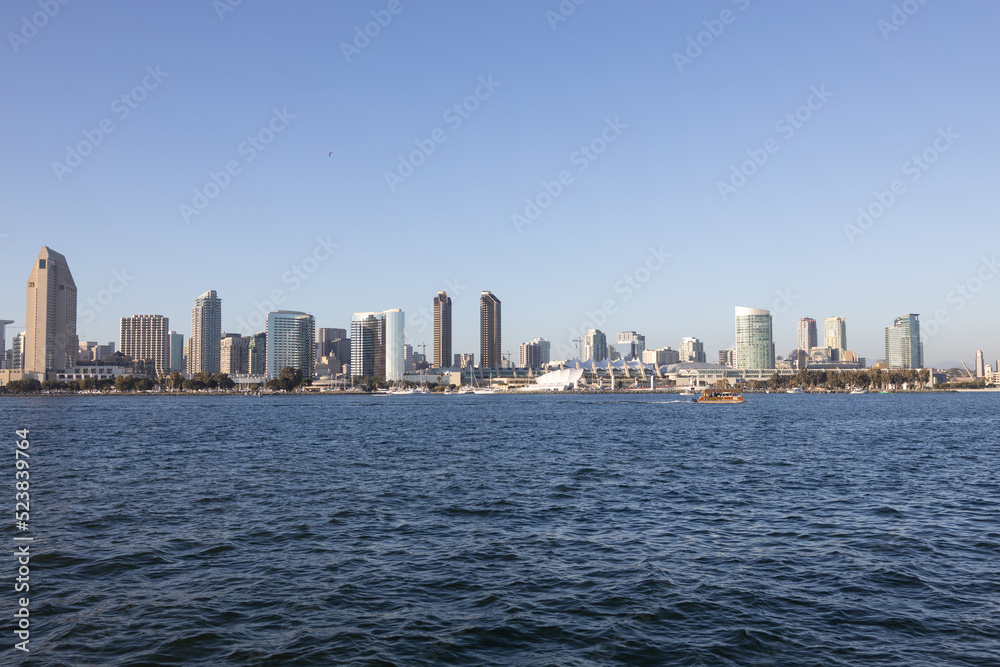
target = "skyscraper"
x: 595, y: 345
x: 490, y: 355
x: 257, y: 354
x: 629, y: 346
x: 17, y: 351
x: 291, y: 336
x: 835, y: 333
x: 807, y: 334
x: 377, y: 345
x: 176, y: 343
x: 328, y: 339
x: 903, y: 348
x: 980, y: 364
x: 691, y: 349
x: 754, y: 343
x: 145, y: 338
x: 3, y: 341
x: 204, y: 346
x: 395, y: 359
x: 442, y: 330
x: 50, y: 342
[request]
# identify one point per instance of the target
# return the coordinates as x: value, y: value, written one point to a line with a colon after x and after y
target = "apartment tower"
x: 442, y: 330
x: 205, y: 344
x: 754, y: 343
x: 146, y: 338
x: 490, y: 355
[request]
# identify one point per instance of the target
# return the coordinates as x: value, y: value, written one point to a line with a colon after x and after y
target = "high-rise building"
x: 629, y: 345
x: 490, y: 355
x: 204, y: 346
x: 692, y: 349
x: 754, y: 342
x: 395, y: 338
x: 535, y: 353
x: 17, y: 352
x: 980, y: 364
x: 176, y: 343
x: 595, y: 345
x: 407, y: 358
x: 377, y: 345
x: 807, y: 334
x: 329, y: 338
x: 235, y: 354
x: 442, y: 330
x: 465, y: 359
x: 144, y: 338
x: 291, y: 336
x: 903, y: 348
x: 726, y: 357
x: 835, y: 333
x: 3, y: 341
x: 50, y: 342
x: 257, y: 354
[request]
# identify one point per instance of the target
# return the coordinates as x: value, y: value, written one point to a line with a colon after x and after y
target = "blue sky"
x: 665, y: 131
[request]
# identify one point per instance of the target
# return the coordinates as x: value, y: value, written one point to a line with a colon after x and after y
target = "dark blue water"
x: 534, y: 530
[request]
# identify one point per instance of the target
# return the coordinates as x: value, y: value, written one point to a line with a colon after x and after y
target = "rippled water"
x: 534, y: 530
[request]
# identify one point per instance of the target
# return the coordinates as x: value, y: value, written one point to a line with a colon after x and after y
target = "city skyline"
x: 854, y: 161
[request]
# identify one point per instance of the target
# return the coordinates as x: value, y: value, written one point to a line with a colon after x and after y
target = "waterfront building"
x: 442, y: 330
x: 50, y: 342
x: 903, y: 348
x: 3, y: 341
x: 807, y: 334
x: 144, y: 338
x: 234, y: 354
x: 980, y: 365
x: 490, y: 355
x: 535, y: 354
x: 835, y: 333
x: 257, y: 354
x: 204, y: 346
x: 692, y: 349
x: 291, y: 335
x: 377, y: 345
x: 175, y: 342
x: 754, y: 347
x: 595, y: 346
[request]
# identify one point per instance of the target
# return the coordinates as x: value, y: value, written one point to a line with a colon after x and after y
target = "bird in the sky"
x: 331, y: 153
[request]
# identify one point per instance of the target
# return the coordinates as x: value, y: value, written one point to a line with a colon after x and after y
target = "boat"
x: 721, y: 396
x: 858, y: 390
x: 795, y: 390
x: 484, y: 390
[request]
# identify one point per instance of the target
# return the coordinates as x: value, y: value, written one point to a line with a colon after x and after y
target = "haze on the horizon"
x: 210, y: 75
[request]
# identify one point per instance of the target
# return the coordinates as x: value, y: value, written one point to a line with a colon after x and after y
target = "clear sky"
x: 668, y: 99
